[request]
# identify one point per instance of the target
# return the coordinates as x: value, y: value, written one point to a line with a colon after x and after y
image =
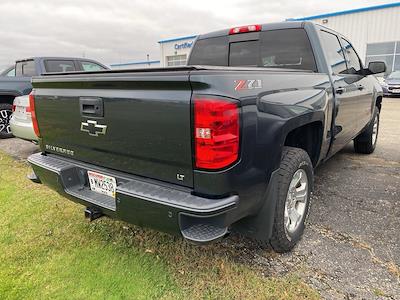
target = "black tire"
x: 293, y: 159
x: 5, y: 115
x: 365, y: 143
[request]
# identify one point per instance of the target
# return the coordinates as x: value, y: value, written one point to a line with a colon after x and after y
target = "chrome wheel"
x: 5, y: 116
x: 296, y: 201
x: 375, y: 130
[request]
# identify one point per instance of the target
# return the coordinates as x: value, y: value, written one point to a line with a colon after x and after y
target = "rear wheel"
x: 5, y: 116
x: 365, y: 142
x: 293, y: 198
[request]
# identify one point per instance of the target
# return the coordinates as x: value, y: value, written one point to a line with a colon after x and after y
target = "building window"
x: 388, y: 52
x: 176, y: 60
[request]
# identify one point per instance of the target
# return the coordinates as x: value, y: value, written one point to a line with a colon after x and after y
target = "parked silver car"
x: 391, y: 85
x: 21, y: 120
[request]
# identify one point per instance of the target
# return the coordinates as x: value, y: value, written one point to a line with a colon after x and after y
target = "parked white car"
x: 21, y: 120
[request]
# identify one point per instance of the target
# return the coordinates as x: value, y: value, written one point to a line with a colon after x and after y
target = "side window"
x: 59, y: 66
x: 91, y: 66
x: 353, y: 61
x: 334, y: 52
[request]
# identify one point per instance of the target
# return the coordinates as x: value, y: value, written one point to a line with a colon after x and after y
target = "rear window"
x: 244, y: 53
x: 11, y: 73
x: 284, y: 48
x: 91, y: 66
x: 25, y: 68
x: 213, y: 52
x: 59, y: 66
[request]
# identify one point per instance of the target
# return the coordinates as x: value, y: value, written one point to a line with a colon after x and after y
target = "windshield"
x: 394, y: 75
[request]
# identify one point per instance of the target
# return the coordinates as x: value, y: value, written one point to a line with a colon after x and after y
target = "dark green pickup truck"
x: 229, y: 142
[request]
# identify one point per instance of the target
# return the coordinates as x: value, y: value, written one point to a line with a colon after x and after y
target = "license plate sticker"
x: 102, y: 184
x: 396, y: 90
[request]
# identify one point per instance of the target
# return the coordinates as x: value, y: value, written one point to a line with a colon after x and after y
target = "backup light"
x: 244, y: 29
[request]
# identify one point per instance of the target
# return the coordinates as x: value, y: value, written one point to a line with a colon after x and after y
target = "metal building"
x: 175, y: 52
x: 374, y: 31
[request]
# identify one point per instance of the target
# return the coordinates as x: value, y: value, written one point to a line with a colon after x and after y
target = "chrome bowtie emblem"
x: 93, y: 128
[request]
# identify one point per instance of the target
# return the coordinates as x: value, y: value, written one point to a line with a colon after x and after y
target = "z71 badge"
x: 250, y: 84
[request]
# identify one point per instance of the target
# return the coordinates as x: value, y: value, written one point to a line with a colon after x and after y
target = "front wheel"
x: 293, y: 198
x: 5, y: 116
x: 365, y: 142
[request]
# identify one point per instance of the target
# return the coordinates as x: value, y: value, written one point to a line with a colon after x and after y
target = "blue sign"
x: 184, y: 45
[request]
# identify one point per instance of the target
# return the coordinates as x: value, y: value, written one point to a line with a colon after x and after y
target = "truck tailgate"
x: 139, y: 123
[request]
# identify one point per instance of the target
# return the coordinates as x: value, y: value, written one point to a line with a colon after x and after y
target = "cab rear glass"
x: 25, y: 68
x: 53, y: 65
x: 283, y: 48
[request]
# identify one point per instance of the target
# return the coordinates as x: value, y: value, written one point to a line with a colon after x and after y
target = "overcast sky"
x: 126, y: 30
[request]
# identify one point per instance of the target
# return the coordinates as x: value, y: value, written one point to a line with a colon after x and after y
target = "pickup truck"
x: 228, y: 143
x: 16, y: 81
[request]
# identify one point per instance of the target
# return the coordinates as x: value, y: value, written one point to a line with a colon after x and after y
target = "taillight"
x: 244, y: 29
x: 216, y: 132
x: 14, y: 107
x: 33, y: 114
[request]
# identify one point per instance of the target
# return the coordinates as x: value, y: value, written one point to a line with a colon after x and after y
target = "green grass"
x: 49, y: 251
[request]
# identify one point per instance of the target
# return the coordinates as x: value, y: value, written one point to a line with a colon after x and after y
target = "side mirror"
x: 376, y: 67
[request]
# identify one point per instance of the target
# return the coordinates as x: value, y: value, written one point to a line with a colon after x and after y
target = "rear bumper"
x: 23, y: 129
x: 147, y: 203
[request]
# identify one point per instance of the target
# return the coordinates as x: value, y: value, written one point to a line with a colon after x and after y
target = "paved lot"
x: 17, y: 148
x: 351, y: 247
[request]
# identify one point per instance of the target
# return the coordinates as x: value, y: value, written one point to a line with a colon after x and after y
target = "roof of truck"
x: 266, y: 26
x: 54, y: 57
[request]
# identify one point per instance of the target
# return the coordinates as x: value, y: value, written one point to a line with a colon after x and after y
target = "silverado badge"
x: 93, y: 128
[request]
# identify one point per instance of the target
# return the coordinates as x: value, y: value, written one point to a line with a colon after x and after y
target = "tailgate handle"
x: 93, y: 107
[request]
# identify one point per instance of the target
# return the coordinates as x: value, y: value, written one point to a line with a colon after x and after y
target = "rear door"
x: 138, y: 123
x: 347, y: 94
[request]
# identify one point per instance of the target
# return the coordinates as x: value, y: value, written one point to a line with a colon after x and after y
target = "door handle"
x: 360, y: 87
x: 91, y: 107
x: 340, y: 90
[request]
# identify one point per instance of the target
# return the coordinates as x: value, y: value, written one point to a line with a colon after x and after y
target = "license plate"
x: 396, y: 90
x: 102, y: 184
